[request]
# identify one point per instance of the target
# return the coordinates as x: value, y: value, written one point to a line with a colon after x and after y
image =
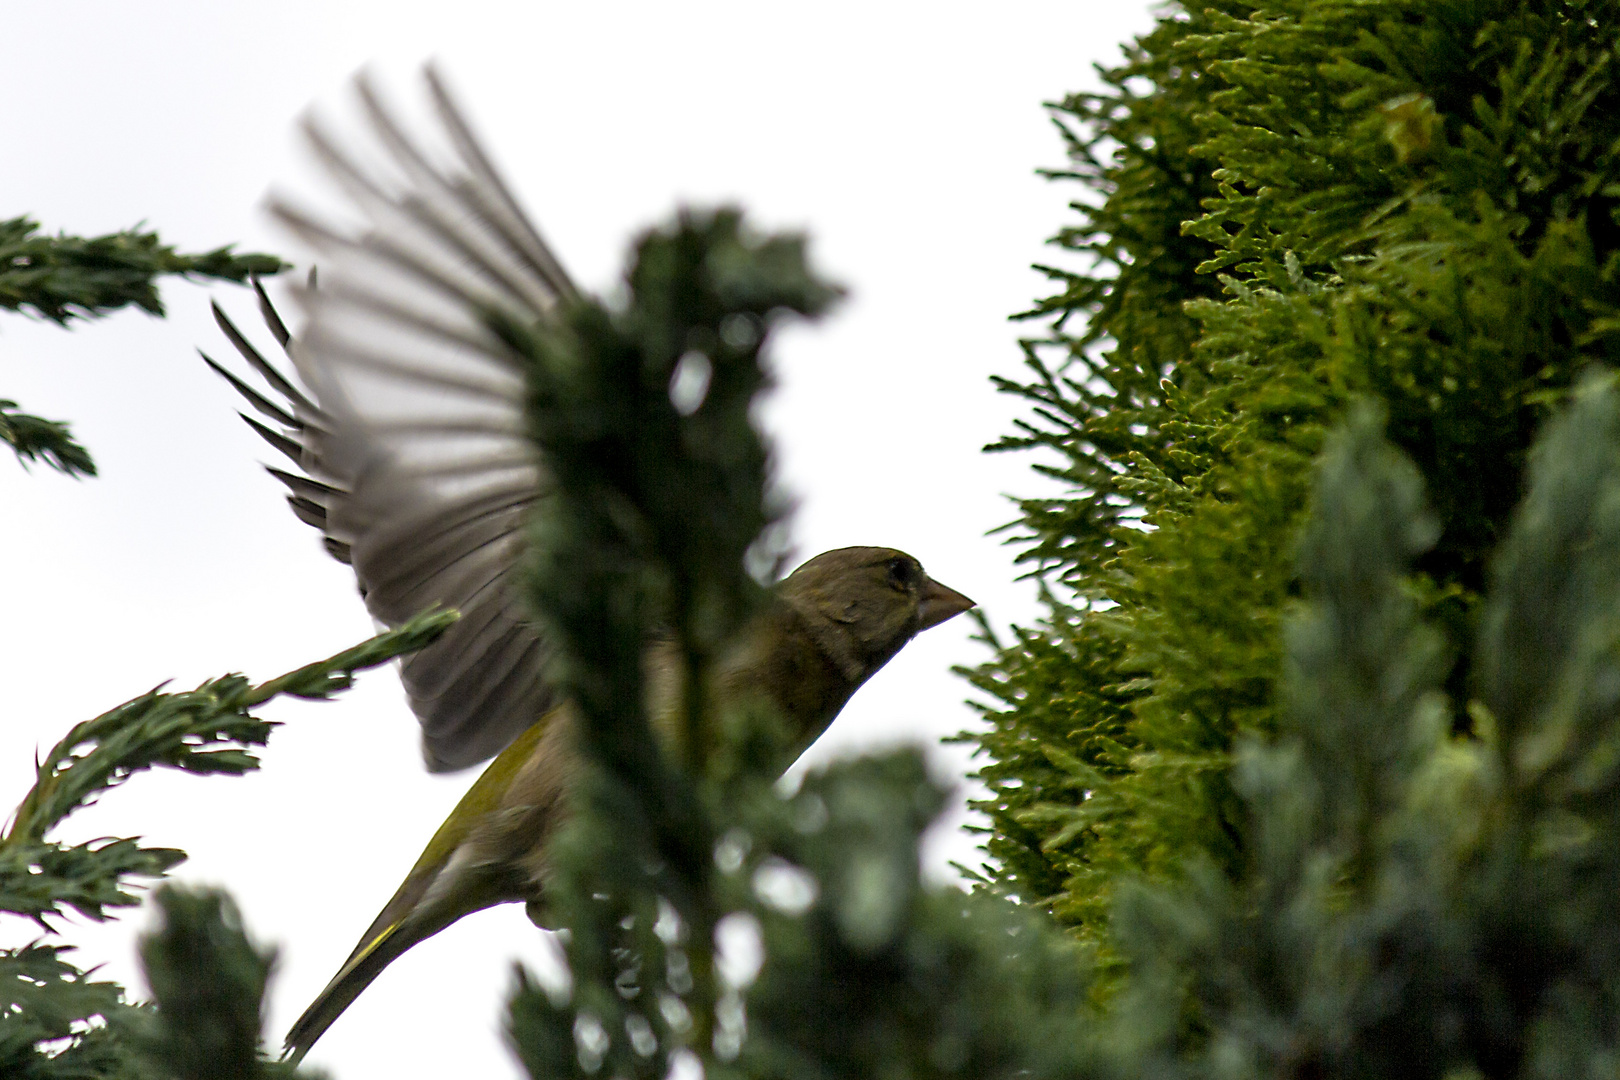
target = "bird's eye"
x: 903, y: 573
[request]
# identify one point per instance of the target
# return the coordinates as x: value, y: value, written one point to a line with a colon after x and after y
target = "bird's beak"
x: 940, y: 603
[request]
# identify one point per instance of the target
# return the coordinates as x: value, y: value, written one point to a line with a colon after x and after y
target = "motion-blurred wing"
x: 409, y: 434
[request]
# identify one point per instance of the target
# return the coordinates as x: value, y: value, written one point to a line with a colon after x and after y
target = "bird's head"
x: 874, y: 599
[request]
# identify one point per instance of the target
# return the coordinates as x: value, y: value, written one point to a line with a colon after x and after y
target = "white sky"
x: 903, y: 136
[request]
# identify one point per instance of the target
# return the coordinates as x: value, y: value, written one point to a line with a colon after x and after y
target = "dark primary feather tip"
x: 309, y: 512
x: 263, y: 404
x: 303, y: 485
x: 276, y: 439
x: 256, y: 360
x: 340, y: 551
x: 272, y: 317
x: 228, y: 328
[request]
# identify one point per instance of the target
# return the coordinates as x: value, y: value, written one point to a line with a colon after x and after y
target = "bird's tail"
x: 365, y: 965
x: 441, y: 888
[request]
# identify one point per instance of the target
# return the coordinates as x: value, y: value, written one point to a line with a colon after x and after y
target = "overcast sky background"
x: 904, y: 137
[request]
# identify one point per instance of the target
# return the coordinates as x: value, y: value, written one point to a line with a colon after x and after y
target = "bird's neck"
x: 804, y: 668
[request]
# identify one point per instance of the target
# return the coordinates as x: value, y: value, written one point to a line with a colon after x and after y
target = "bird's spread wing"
x: 409, y: 432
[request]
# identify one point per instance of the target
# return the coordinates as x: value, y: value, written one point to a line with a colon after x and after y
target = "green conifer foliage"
x: 62, y: 278
x: 1413, y: 902
x: 859, y: 969
x: 1290, y: 204
x: 59, y: 1023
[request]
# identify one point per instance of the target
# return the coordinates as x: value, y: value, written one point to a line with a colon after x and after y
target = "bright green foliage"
x: 1292, y: 203
x: 56, y: 1023
x: 1414, y: 902
x: 62, y: 278
x: 1399, y: 898
x: 660, y: 510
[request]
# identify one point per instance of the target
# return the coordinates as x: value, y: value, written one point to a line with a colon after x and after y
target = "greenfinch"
x: 409, y: 440
x: 830, y: 626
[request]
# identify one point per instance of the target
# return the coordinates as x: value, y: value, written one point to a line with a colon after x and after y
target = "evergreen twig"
x: 62, y: 278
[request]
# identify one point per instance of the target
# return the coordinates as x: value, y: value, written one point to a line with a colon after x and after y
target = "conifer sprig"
x: 208, y: 982
x: 34, y: 438
x: 205, y: 731
x: 207, y: 978
x: 657, y: 507
x: 62, y: 278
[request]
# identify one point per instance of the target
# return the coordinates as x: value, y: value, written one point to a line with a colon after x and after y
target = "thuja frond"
x: 1291, y: 205
x: 33, y: 438
x: 63, y: 277
x: 205, y: 731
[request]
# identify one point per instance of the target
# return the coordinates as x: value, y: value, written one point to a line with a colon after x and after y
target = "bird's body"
x: 416, y: 466
x: 831, y: 625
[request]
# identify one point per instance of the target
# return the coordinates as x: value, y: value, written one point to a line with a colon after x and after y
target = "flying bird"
x: 406, y: 434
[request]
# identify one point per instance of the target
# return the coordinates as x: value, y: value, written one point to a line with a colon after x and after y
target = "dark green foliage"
x: 56, y: 1023
x: 208, y: 981
x: 1292, y: 203
x: 46, y: 1000
x: 881, y: 977
x: 34, y: 439
x: 658, y: 500
x: 39, y: 879
x: 62, y: 278
x: 657, y: 504
x: 662, y: 520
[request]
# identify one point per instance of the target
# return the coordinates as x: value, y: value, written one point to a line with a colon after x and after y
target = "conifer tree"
x: 1319, y: 748
x: 58, y: 1021
x: 1412, y: 901
x: 1290, y: 204
x: 656, y: 514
